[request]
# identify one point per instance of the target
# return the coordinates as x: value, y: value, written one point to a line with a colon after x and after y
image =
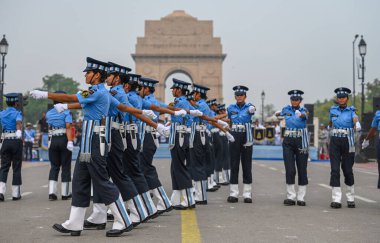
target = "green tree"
x: 34, y: 109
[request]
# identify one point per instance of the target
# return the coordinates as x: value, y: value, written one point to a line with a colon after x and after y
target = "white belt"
x: 339, y: 131
x: 188, y: 130
x: 57, y: 131
x: 150, y: 129
x: 130, y: 127
x: 115, y: 125
x: 214, y: 130
x: 236, y: 127
x: 9, y: 135
x: 181, y: 128
x: 96, y: 129
x: 200, y: 128
x: 289, y: 133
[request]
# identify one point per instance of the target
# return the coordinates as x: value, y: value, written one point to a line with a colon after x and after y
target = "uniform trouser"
x: 116, y: 170
x: 242, y: 153
x: 189, y: 164
x: 180, y: 175
x: 198, y: 158
x: 95, y: 170
x: 146, y: 162
x: 210, y: 157
x: 218, y: 152
x: 28, y: 150
x: 11, y: 154
x: 378, y: 161
x: 225, y: 153
x: 295, y: 157
x: 59, y: 156
x: 341, y: 157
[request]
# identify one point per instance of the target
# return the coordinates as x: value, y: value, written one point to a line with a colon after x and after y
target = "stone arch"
x: 181, y: 43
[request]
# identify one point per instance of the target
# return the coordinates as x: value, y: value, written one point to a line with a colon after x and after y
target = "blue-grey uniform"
x: 376, y: 124
x: 182, y: 197
x: 224, y: 154
x: 91, y: 164
x: 149, y: 147
x: 342, y: 149
x: 131, y: 154
x: 29, y: 134
x: 295, y: 149
x: 241, y: 148
x: 11, y: 147
x: 59, y: 155
x: 217, y: 146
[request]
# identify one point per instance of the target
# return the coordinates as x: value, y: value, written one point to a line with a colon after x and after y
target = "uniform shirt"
x: 203, y: 107
x: 212, y: 114
x: 291, y: 119
x: 136, y: 101
x: 342, y: 118
x: 376, y: 120
x: 239, y: 114
x: 119, y: 94
x: 150, y: 100
x: 29, y: 135
x: 183, y: 103
x: 95, y: 102
x: 9, y: 117
x: 56, y: 119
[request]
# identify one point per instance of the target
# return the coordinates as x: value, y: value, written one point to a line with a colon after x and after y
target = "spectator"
x: 42, y: 127
x: 28, y: 141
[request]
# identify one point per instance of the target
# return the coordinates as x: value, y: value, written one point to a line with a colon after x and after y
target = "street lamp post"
x: 353, y: 69
x: 3, y: 52
x: 262, y: 107
x: 362, y: 51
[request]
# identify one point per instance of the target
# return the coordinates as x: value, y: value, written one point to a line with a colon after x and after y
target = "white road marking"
x: 22, y: 194
x: 272, y: 168
x: 262, y: 165
x: 356, y: 196
x: 45, y: 186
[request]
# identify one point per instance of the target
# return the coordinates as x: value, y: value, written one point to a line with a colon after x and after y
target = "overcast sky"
x: 273, y: 45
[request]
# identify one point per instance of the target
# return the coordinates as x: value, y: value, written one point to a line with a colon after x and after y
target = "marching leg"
x: 290, y: 195
x: 53, y: 190
x: 336, y: 197
x: 98, y: 218
x: 122, y: 223
x: 74, y: 225
x: 350, y: 194
x: 301, y: 196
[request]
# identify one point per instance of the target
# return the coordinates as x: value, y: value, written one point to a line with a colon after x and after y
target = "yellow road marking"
x: 190, y: 229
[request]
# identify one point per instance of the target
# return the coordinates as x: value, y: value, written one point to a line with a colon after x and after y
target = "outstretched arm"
x: 63, y: 97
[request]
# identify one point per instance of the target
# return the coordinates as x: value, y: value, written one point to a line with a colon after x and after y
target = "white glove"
x: 196, y: 113
x: 61, y: 107
x: 70, y: 145
x: 277, y: 113
x: 365, y: 144
x: 223, y: 123
x: 298, y: 113
x: 167, y: 131
x: 252, y: 109
x: 358, y: 127
x: 230, y: 137
x: 37, y: 94
x: 160, y: 129
x: 149, y: 113
x: 181, y: 113
x: 18, y: 133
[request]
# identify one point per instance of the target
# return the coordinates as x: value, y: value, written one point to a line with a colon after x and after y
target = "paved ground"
x: 266, y: 220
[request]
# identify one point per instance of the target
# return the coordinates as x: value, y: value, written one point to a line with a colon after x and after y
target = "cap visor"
x: 239, y: 93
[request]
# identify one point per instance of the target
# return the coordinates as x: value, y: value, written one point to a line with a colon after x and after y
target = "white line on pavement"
x: 22, y: 194
x: 262, y: 165
x: 45, y: 186
x: 272, y: 168
x: 356, y: 196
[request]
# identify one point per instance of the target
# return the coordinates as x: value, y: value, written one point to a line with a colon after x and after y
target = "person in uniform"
x: 240, y: 115
x: 60, y: 151
x: 91, y: 162
x: 374, y: 126
x: 323, y: 142
x: 11, y: 146
x: 344, y: 122
x: 224, y: 178
x: 150, y: 143
x: 295, y: 148
x: 29, y: 134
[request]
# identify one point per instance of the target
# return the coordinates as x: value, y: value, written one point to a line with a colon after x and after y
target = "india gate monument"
x: 180, y: 43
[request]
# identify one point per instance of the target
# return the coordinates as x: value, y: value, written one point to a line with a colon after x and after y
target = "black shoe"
x: 153, y: 216
x: 217, y: 186
x: 67, y: 197
x: 191, y: 206
x: 2, y: 197
x: 160, y: 212
x: 289, y: 202
x: 110, y: 217
x: 232, y: 199
x: 201, y: 202
x: 212, y: 189
x: 89, y: 225
x: 335, y: 205
x: 60, y: 228
x: 169, y: 209
x: 351, y: 204
x: 179, y: 207
x: 53, y: 197
x: 248, y: 200
x: 135, y: 224
x: 301, y: 203
x: 116, y: 232
x: 16, y: 198
x: 224, y: 183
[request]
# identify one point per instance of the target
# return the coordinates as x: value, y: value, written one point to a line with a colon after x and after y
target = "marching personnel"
x: 240, y: 115
x: 91, y: 162
x: 60, y: 151
x: 150, y: 143
x: 223, y: 175
x: 374, y: 126
x: 295, y: 148
x: 11, y: 146
x: 189, y: 122
x: 344, y: 122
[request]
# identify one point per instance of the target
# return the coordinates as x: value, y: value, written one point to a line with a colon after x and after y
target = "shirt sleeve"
x: 90, y: 98
x: 146, y: 104
x: 68, y: 117
x: 114, y: 102
x: 376, y: 120
x: 19, y: 117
